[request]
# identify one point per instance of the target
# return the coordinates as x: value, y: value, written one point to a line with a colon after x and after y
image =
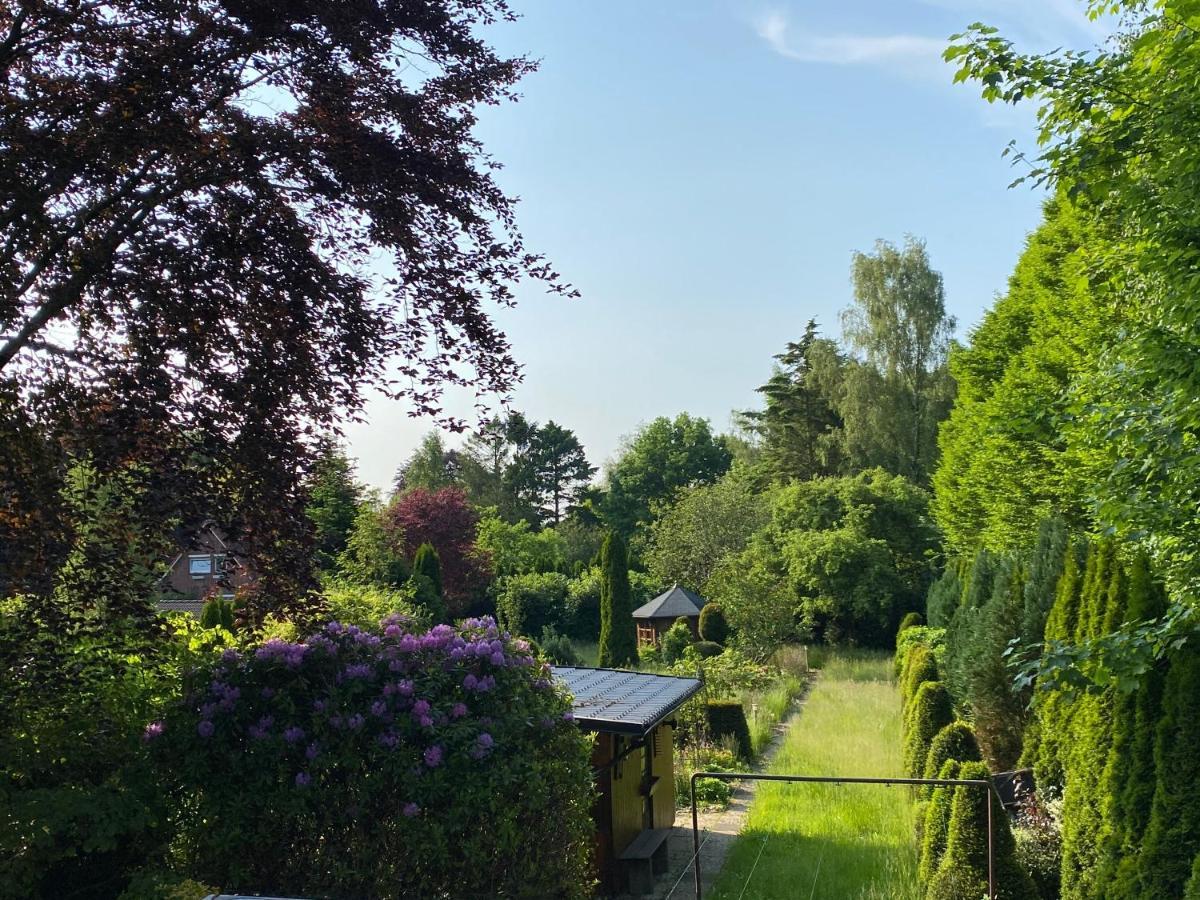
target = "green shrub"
x: 675, y: 640
x: 161, y: 885
x: 366, y: 605
x: 919, y: 635
x: 558, y: 648
x: 920, y: 667
x: 529, y: 604
x: 713, y: 625
x: 217, y: 613
x: 962, y: 873
x: 1039, y: 852
x: 935, y: 825
x: 930, y: 712
x: 910, y: 620
x: 426, y: 583
x: 954, y: 742
x: 453, y: 744
x: 708, y: 649
x: 709, y: 791
x: 1192, y: 891
x: 727, y: 718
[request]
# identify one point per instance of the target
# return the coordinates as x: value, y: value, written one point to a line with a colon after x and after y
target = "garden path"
x: 719, y: 828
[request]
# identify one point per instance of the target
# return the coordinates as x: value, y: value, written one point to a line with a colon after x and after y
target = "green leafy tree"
x: 706, y: 524
x: 896, y: 388
x: 374, y: 553
x: 657, y: 462
x: 431, y: 466
x: 618, y: 634
x: 529, y: 604
x: 515, y: 548
x: 334, y: 497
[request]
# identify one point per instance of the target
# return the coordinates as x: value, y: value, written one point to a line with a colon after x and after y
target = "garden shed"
x: 655, y: 617
x: 633, y: 765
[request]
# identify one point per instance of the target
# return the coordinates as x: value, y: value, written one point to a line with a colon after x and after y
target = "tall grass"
x: 829, y: 842
x: 765, y: 709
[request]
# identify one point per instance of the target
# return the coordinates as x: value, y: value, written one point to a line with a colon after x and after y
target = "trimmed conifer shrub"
x: 1173, y: 835
x: 727, y: 718
x: 713, y: 624
x: 962, y: 873
x: 217, y: 613
x: 930, y: 712
x: 936, y: 824
x: 954, y: 742
x: 618, y: 634
x: 910, y: 620
x: 920, y: 667
x: 708, y: 649
x: 426, y: 581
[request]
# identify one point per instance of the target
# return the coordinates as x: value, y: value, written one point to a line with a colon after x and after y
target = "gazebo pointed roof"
x: 671, y: 604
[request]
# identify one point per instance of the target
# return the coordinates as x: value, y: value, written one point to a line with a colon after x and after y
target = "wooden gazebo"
x: 655, y: 617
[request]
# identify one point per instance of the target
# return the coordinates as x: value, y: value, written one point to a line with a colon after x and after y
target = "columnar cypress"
x: 1173, y: 835
x: 954, y: 742
x: 1130, y: 777
x: 1045, y: 568
x: 426, y: 581
x: 618, y: 634
x: 1051, y: 707
x: 920, y: 666
x: 1101, y: 609
x: 962, y: 874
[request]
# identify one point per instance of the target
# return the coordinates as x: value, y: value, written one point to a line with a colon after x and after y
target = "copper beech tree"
x: 222, y: 222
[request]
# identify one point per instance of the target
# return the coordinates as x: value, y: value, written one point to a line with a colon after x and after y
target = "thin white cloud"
x: 1045, y: 22
x: 775, y: 28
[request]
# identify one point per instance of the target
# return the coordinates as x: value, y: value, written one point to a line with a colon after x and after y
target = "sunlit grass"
x: 827, y: 842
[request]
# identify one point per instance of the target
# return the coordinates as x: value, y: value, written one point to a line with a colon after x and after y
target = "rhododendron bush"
x: 381, y: 764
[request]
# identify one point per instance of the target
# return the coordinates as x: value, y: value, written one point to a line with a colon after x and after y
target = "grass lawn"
x: 832, y: 842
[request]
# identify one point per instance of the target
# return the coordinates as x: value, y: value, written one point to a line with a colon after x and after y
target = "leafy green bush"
x: 675, y: 640
x: 919, y: 635
x: 558, y: 648
x: 366, y: 605
x: 713, y: 625
x: 727, y: 718
x: 709, y: 791
x: 962, y: 874
x: 528, y: 604
x: 157, y: 884
x: 728, y: 674
x: 929, y: 712
x: 453, y: 744
x: 707, y: 649
x: 1039, y: 852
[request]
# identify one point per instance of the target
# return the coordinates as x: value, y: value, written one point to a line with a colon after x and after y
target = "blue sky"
x: 701, y: 170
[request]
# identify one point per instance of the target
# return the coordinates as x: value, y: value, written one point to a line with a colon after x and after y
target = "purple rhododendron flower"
x: 390, y: 740
x: 312, y: 751
x: 205, y: 729
x: 358, y: 670
x: 458, y: 711
x: 392, y: 631
x: 425, y: 722
x: 303, y: 779
x: 421, y: 707
x: 356, y: 721
x: 433, y: 756
x: 207, y: 710
x: 153, y: 730
x: 319, y: 706
x: 230, y: 655
x: 411, y: 809
x: 379, y: 709
x: 497, y: 659
x: 568, y: 716
x: 470, y: 682
x: 294, y: 734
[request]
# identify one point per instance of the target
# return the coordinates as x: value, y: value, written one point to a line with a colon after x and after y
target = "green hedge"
x: 954, y: 742
x: 936, y: 824
x: 727, y: 718
x: 930, y: 712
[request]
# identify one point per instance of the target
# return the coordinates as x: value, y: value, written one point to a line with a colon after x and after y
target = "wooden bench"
x: 644, y: 858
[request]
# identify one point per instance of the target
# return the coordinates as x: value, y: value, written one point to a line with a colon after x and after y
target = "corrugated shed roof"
x: 624, y: 702
x: 672, y: 603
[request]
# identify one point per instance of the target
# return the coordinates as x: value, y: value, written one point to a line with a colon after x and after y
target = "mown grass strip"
x: 832, y: 842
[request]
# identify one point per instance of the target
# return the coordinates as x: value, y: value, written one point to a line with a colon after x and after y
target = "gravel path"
x: 719, y: 828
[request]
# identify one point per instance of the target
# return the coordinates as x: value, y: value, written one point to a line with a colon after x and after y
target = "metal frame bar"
x: 830, y: 779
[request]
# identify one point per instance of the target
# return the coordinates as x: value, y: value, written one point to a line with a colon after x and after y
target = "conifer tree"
x: 930, y: 712
x: 954, y: 742
x: 426, y: 582
x: 962, y: 874
x: 1046, y: 564
x: 936, y: 823
x: 618, y: 634
x: 1173, y: 835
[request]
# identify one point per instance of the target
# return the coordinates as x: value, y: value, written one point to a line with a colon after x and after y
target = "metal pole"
x: 695, y: 838
x: 991, y: 861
